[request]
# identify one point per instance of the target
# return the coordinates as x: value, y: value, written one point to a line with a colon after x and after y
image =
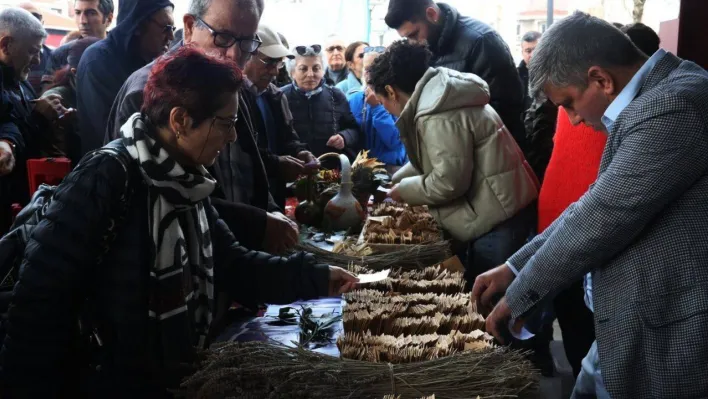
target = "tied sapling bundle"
x: 273, y: 371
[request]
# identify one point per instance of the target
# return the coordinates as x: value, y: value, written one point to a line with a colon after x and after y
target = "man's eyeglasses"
x: 226, y: 40
x: 302, y: 50
x: 336, y: 47
x: 278, y: 63
x: 166, y: 28
x: 377, y: 49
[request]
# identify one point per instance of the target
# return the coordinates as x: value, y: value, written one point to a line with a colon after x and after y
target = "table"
x: 269, y: 327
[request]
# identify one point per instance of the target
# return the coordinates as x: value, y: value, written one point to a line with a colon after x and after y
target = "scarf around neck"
x: 310, y: 93
x: 181, y: 296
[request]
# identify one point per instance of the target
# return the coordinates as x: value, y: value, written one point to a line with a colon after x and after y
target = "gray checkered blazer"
x: 642, y: 229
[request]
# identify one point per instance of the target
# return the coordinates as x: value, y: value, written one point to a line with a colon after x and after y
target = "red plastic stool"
x: 46, y: 170
x: 16, y: 208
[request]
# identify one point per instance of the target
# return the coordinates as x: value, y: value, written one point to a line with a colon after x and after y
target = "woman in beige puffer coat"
x: 464, y: 163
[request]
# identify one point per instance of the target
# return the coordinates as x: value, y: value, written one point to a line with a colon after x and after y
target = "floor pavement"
x: 560, y: 386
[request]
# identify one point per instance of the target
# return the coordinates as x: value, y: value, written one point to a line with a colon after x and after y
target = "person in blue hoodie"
x: 380, y: 132
x: 144, y: 32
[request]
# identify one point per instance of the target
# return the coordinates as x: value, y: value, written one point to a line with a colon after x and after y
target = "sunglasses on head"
x: 377, y: 49
x: 302, y: 50
x: 335, y: 47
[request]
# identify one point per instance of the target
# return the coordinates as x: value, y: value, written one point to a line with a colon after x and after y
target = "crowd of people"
x: 571, y: 186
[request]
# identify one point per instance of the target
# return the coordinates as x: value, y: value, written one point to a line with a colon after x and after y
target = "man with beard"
x: 471, y: 46
x: 145, y: 30
x: 227, y: 28
x: 466, y: 45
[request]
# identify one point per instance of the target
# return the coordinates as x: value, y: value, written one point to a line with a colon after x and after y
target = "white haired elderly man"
x: 24, y: 121
x: 640, y: 230
x: 35, y: 75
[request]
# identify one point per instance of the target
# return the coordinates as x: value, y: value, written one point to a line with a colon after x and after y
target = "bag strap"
x: 116, y: 150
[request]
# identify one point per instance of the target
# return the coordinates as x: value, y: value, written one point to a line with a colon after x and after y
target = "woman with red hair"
x: 165, y: 259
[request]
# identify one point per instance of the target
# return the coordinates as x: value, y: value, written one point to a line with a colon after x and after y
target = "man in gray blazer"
x: 641, y: 230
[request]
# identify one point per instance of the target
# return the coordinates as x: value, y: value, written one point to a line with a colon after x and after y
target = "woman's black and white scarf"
x: 182, y: 285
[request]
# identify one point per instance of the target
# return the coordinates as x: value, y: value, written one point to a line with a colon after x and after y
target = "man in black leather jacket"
x: 466, y: 45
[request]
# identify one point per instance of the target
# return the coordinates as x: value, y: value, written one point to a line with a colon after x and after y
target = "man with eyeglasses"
x: 144, y: 33
x: 337, y: 70
x: 35, y: 75
x: 227, y: 28
x: 287, y: 156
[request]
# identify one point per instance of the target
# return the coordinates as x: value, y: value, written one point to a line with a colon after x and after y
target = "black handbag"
x: 12, y: 245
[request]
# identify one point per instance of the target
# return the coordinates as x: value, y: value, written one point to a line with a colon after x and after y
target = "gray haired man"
x: 640, y: 230
x: 24, y: 121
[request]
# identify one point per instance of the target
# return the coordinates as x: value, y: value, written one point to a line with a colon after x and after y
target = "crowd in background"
x: 210, y: 123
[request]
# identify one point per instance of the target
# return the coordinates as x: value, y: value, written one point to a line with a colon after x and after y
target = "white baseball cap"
x: 271, y: 45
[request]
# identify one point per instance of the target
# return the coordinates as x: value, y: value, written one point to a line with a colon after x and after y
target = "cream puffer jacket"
x: 464, y: 163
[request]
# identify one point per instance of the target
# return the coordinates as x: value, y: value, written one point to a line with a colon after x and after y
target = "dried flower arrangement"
x: 394, y: 223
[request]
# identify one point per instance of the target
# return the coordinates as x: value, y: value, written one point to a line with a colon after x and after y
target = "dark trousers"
x: 492, y: 250
x: 495, y: 247
x: 576, y: 323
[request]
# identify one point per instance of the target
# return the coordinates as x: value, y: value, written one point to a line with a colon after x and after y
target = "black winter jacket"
x: 540, y: 123
x: 60, y: 278
x: 524, y: 75
x: 246, y: 220
x: 321, y: 116
x: 28, y: 131
x: 469, y: 45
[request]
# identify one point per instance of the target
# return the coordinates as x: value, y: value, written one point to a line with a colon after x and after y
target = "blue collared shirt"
x: 629, y: 93
x: 626, y: 96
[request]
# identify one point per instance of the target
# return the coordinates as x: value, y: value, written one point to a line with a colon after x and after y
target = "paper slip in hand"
x: 371, y: 278
x: 384, y: 189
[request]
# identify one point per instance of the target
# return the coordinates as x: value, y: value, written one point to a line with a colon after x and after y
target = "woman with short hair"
x: 138, y: 249
x: 464, y: 163
x: 321, y: 115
